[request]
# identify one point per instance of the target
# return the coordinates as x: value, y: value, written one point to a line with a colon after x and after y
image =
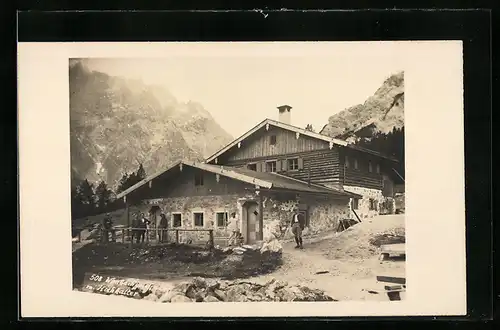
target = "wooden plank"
x: 391, y: 279
x: 393, y: 248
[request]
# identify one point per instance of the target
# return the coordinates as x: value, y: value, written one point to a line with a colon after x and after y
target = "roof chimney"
x: 284, y: 114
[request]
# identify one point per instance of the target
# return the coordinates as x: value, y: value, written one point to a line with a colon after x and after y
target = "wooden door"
x: 252, y: 219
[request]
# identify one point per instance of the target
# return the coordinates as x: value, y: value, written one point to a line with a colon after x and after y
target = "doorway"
x: 251, y: 220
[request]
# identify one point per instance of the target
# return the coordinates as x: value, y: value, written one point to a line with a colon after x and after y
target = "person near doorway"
x: 107, y: 227
x: 143, y: 228
x: 135, y: 226
x: 234, y: 227
x: 297, y: 228
x: 162, y: 234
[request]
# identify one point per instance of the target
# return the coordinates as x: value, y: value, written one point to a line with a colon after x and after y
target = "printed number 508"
x: 96, y: 278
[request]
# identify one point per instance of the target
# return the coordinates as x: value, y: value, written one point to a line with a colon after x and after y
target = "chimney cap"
x: 284, y: 107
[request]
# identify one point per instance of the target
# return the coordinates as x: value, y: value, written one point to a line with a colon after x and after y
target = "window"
x: 221, y: 219
x: 354, y: 203
x: 176, y: 219
x: 293, y: 164
x: 370, y: 169
x: 198, y: 179
x: 355, y: 164
x: 252, y: 166
x: 271, y: 166
x: 272, y: 140
x: 198, y: 219
x: 346, y: 162
x: 378, y: 168
x: 373, y: 204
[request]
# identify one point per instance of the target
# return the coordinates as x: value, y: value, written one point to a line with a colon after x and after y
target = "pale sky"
x: 240, y: 91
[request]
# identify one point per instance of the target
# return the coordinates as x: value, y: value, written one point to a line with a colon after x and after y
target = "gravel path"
x: 326, y: 262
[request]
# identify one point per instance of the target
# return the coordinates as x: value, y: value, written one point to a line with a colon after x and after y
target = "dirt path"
x: 346, y: 278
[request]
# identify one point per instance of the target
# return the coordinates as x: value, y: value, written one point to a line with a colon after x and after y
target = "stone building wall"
x: 364, y: 210
x: 209, y: 205
x: 324, y: 214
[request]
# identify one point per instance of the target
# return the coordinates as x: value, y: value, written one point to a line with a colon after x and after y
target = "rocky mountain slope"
x: 380, y: 113
x: 117, y: 123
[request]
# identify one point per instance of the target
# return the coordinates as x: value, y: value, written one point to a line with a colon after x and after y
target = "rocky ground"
x: 332, y: 266
x: 209, y: 290
x: 171, y: 262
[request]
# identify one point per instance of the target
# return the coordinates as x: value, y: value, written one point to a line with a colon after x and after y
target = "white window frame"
x: 204, y: 218
x: 173, y: 222
x: 288, y: 164
x: 215, y: 220
x: 275, y: 161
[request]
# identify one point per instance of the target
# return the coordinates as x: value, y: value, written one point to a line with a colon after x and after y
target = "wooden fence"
x: 152, y: 235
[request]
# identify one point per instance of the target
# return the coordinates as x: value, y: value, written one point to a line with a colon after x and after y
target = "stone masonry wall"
x: 276, y: 214
x: 363, y: 210
x: 326, y: 214
x: 209, y: 205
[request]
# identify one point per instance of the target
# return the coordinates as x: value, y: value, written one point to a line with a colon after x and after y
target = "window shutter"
x: 278, y: 165
x: 284, y: 165
x: 301, y: 163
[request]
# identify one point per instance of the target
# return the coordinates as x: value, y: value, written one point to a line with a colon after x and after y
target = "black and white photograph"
x: 245, y: 179
x: 238, y: 179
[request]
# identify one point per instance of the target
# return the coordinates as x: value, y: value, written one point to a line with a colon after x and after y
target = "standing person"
x: 297, y: 228
x: 234, y: 227
x: 162, y: 235
x: 107, y: 223
x: 135, y: 226
x: 143, y: 225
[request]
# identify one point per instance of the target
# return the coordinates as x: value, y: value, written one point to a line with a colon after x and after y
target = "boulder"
x: 210, y: 298
x: 272, y: 246
x: 220, y: 295
x: 239, y: 250
x: 208, y: 290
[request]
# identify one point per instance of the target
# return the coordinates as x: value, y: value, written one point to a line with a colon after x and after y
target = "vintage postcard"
x: 240, y: 176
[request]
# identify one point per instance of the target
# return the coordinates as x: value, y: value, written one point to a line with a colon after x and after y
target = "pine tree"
x: 122, y: 184
x: 141, y: 173
x: 103, y: 197
x: 86, y: 198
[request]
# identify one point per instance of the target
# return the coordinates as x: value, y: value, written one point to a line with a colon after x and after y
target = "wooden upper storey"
x: 304, y: 155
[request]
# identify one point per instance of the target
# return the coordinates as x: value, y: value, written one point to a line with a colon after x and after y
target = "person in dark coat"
x: 162, y: 235
x: 298, y: 225
x: 143, y: 226
x: 107, y: 227
x: 135, y: 226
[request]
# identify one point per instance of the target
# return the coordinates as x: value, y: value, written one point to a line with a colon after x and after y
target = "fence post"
x: 177, y: 236
x: 211, y: 235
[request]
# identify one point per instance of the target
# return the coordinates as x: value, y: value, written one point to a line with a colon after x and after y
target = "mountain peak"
x: 381, y: 112
x: 118, y: 122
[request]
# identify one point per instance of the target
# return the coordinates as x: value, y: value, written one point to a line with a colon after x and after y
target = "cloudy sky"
x: 242, y: 88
